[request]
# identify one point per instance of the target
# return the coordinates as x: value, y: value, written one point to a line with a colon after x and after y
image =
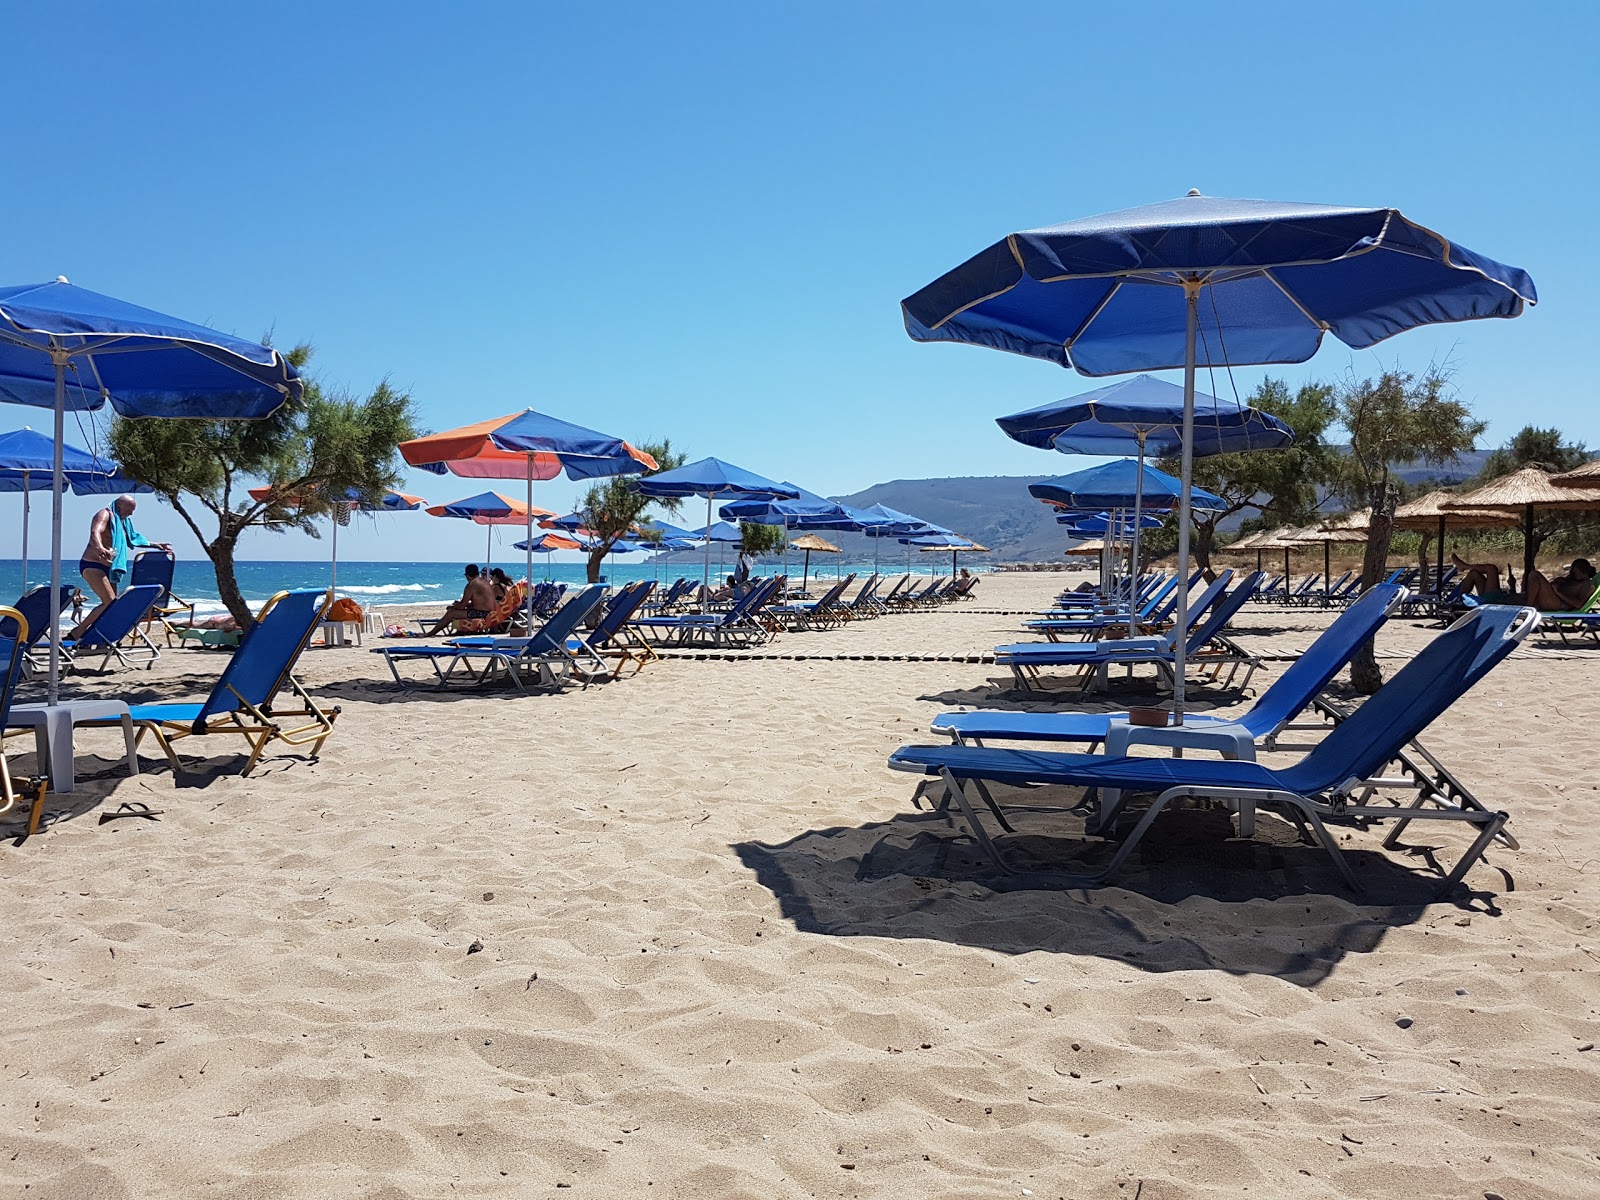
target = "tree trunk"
x: 1423, y: 560
x: 1365, y: 674
x: 596, y: 557
x: 221, y: 554
x: 1205, y: 533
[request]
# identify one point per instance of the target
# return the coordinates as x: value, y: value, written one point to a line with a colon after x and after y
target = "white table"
x: 52, y: 734
x: 1226, y: 738
x: 338, y: 633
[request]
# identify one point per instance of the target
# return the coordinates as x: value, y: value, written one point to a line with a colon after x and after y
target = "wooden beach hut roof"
x: 1529, y: 488
x: 810, y: 541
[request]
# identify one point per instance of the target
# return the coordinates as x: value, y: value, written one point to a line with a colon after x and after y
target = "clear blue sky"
x: 697, y: 220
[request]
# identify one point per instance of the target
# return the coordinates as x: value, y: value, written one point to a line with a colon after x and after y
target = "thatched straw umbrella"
x: 1094, y: 548
x: 1428, y: 516
x: 1251, y: 541
x: 970, y: 548
x: 1587, y: 475
x: 1348, y: 530
x: 1525, y: 492
x: 809, y: 542
x: 1285, y: 538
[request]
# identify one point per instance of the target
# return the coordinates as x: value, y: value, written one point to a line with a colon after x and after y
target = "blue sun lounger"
x: 243, y: 701
x: 1331, y: 782
x: 1288, y: 696
x: 34, y: 608
x: 1156, y: 611
x: 119, y: 621
x: 738, y: 625
x: 545, y: 652
x: 16, y: 632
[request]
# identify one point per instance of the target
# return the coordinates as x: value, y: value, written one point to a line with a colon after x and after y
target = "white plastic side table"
x: 1229, y: 740
x: 52, y: 734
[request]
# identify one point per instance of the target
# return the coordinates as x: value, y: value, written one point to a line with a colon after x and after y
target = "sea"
x: 374, y: 584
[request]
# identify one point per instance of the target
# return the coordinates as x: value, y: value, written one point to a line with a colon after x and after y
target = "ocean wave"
x: 385, y: 589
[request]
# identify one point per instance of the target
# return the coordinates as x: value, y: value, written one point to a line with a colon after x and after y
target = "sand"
x: 683, y: 936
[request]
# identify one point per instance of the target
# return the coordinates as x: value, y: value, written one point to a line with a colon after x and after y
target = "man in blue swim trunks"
x: 104, y: 565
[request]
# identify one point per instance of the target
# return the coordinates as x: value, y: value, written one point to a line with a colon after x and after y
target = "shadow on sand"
x: 1194, y: 897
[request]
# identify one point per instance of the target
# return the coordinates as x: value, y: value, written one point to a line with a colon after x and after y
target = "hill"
x: 997, y: 511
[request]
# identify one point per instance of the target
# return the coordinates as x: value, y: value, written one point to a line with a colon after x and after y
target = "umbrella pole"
x: 1529, y: 553
x: 1438, y: 571
x: 1191, y: 292
x: 56, y: 483
x: 527, y: 580
x: 25, y: 522
x: 705, y: 577
x: 1327, y: 570
x: 805, y: 574
x: 1133, y: 561
x: 333, y: 559
x: 488, y: 546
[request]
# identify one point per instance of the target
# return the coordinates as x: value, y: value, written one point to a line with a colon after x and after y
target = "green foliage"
x: 1280, y: 483
x: 309, y: 452
x: 611, y: 507
x: 1395, y: 420
x: 761, y: 539
x: 1533, y: 445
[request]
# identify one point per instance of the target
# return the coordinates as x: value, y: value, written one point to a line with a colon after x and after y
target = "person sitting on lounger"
x: 500, y: 582
x: 1561, y: 594
x: 477, y: 600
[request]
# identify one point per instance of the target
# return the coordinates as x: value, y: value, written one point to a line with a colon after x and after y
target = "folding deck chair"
x: 544, y: 651
x: 155, y: 565
x: 244, y: 700
x: 613, y: 638
x: 1156, y: 611
x: 822, y: 613
x: 38, y: 620
x: 1335, y: 781
x: 737, y: 625
x: 15, y: 635
x: 118, y: 622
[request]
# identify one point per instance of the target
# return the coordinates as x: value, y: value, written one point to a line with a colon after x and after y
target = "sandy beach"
x: 684, y: 935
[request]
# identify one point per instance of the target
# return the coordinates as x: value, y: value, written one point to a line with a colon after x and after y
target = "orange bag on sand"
x: 344, y: 609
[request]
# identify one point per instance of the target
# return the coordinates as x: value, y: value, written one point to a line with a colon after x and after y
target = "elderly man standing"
x: 104, y: 565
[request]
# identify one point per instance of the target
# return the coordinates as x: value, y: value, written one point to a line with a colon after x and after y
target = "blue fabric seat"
x: 545, y: 651
x: 1330, y: 781
x: 118, y: 621
x: 244, y: 700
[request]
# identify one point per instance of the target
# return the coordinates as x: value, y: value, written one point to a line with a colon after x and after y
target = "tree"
x: 310, y: 452
x: 1282, y: 483
x: 611, y: 507
x: 760, y: 539
x: 1532, y: 445
x: 1394, y: 420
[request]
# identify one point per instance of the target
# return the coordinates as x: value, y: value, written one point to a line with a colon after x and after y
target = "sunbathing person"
x: 1564, y: 593
x: 477, y: 600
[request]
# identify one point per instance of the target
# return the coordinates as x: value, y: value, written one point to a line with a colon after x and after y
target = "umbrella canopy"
x: 665, y: 530
x: 1117, y: 485
x: 548, y: 543
x: 144, y: 363
x: 1122, y: 292
x: 806, y: 511
x: 718, y: 531
x: 1526, y: 492
x: 1121, y: 524
x: 812, y: 544
x: 1425, y: 512
x: 1144, y: 415
x: 525, y: 445
x: 711, y: 477
x: 1086, y: 549
x: 491, y: 508
x: 882, y: 521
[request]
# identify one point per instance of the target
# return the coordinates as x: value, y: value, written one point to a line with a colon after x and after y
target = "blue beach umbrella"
x: 1208, y: 281
x: 342, y: 507
x: 1117, y: 485
x: 1144, y: 416
x: 806, y: 510
x: 64, y: 347
x: 27, y: 465
x: 711, y: 478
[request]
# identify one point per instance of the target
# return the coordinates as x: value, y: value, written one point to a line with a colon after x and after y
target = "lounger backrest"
x: 15, y: 633
x: 153, y: 566
x: 36, y: 612
x: 1223, y: 612
x: 1418, y: 693
x: 266, y: 653
x: 1197, y: 608
x: 623, y: 605
x: 1322, y: 660
x: 120, y: 616
x: 552, y: 636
